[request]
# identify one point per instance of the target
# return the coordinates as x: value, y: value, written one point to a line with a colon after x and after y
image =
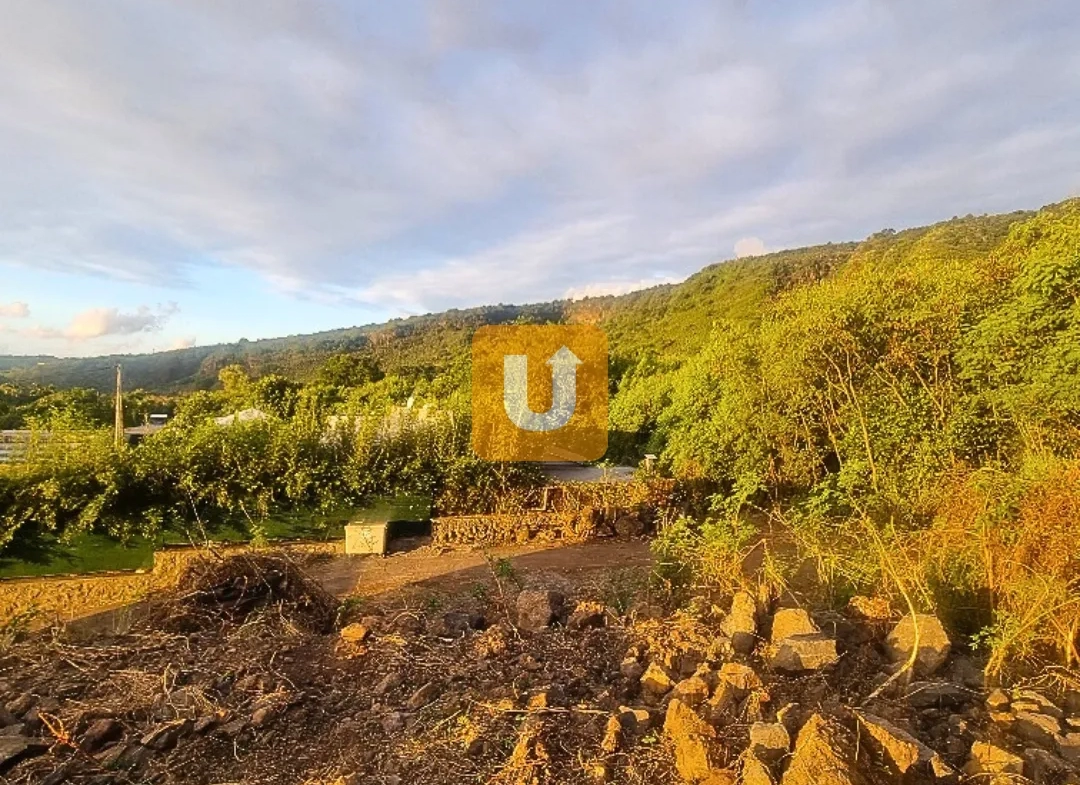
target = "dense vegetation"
x: 906, y: 409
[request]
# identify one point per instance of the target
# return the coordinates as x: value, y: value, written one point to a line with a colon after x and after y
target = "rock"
x: 423, y: 696
x: 631, y: 669
x: 754, y: 772
x: 392, y: 722
x: 635, y: 720
x: 790, y: 716
x: 691, y: 737
x: 14, y: 730
x: 823, y: 756
x: 743, y: 678
x: 390, y: 681
x: 769, y: 741
x: 720, y: 777
x: 134, y: 756
x: 1044, y: 768
x: 110, y: 758
x: 1037, y: 728
x: 101, y: 733
x: 492, y: 642
x: 355, y: 634
x: 231, y: 730
x: 538, y: 608
x: 937, y: 695
x: 587, y: 615
x: 1068, y: 747
x: 1036, y: 701
x: 740, y: 625
x: 934, y: 643
x: 1072, y: 702
x: 21, y: 705
x: 655, y: 682
x: 791, y: 621
x: 966, y: 672
x: 869, y: 608
x: 553, y: 696
x: 204, y: 725
x: 165, y: 737
x: 902, y: 750
x: 812, y: 652
x: 997, y: 700
x: 613, y: 734
x: 987, y: 759
x: 7, y: 719
x: 629, y: 525
x: 693, y: 691
x: 14, y: 749
x: 261, y: 716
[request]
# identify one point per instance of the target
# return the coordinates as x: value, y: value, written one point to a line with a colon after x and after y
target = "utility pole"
x: 119, y: 406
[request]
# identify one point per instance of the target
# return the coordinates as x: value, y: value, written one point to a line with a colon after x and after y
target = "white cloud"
x: 16, y: 310
x: 185, y: 342
x: 614, y: 287
x: 434, y: 156
x: 749, y: 246
x: 105, y: 322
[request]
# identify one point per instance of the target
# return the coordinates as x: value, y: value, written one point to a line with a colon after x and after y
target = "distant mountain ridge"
x: 672, y: 320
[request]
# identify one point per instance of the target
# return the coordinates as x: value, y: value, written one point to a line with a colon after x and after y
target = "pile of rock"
x: 996, y: 736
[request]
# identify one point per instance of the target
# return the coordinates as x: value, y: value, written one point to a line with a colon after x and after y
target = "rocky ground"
x: 255, y: 674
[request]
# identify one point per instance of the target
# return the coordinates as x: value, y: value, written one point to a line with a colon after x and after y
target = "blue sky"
x: 201, y: 171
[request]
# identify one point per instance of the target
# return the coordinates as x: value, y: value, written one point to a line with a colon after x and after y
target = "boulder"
x: 993, y: 764
x: 100, y: 733
x: 693, y: 691
x: 355, y: 634
x: 1040, y: 729
x: 655, y: 682
x: 823, y: 756
x: 538, y: 608
x: 691, y: 737
x: 629, y: 525
x: 791, y: 621
x: 769, y: 741
x: 998, y: 700
x: 613, y: 735
x: 631, y: 669
x: 903, y: 751
x: 754, y: 772
x: 423, y: 696
x: 165, y: 737
x: 740, y: 625
x: 937, y: 695
x: 587, y: 615
x: 1068, y: 747
x: 18, y: 748
x: 796, y: 653
x: 869, y: 608
x: 390, y: 681
x: 743, y: 678
x: 1043, y: 768
x: 934, y: 643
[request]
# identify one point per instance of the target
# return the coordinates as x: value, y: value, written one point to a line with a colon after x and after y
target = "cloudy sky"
x: 201, y: 171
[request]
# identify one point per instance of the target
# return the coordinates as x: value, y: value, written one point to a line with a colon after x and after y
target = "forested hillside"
x: 672, y: 319
x: 907, y: 408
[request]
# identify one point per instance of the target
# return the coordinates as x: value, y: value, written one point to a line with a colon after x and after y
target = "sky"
x: 200, y: 171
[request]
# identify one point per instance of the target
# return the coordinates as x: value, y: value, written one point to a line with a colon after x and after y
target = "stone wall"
x: 517, y: 528
x: 59, y: 599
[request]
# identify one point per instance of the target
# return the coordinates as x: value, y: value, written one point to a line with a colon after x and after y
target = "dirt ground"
x: 413, y: 566
x: 519, y: 666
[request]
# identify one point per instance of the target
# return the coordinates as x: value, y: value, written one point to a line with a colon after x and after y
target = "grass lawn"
x: 93, y: 552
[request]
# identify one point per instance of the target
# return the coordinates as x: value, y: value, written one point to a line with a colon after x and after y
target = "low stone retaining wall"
x: 58, y: 599
x: 515, y: 529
